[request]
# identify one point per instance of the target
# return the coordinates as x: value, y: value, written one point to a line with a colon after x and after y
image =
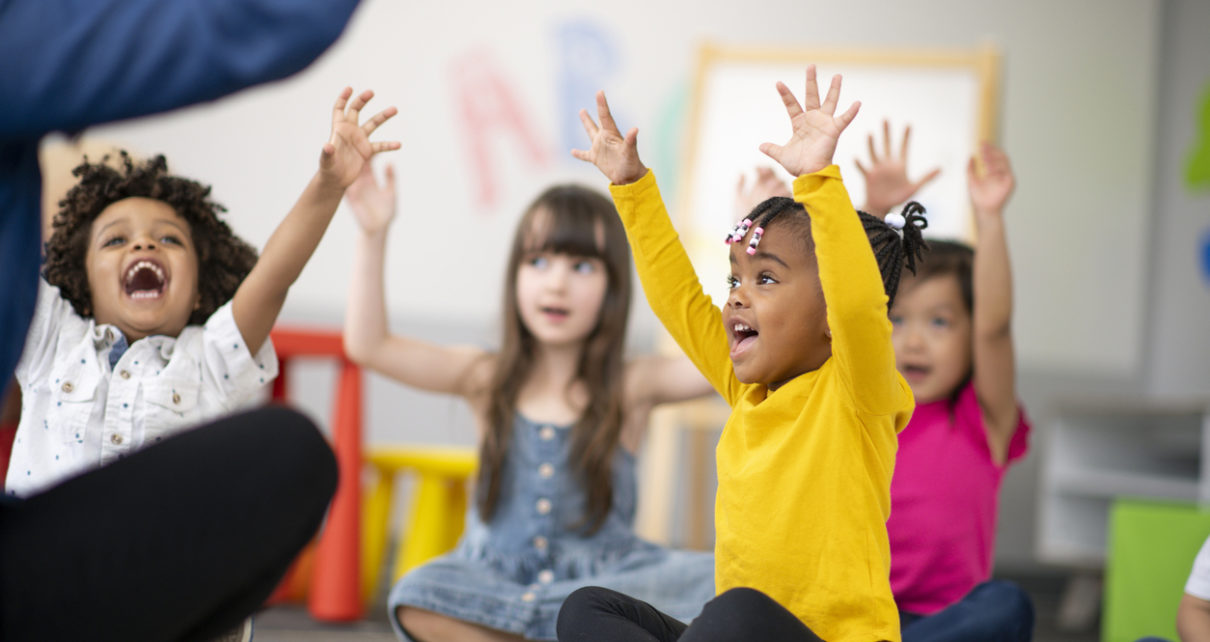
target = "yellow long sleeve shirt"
x: 804, y: 471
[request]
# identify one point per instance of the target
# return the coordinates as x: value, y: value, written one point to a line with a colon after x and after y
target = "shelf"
x: 1072, y: 554
x: 1106, y: 449
x: 1110, y: 484
x: 1072, y: 529
x: 1127, y: 407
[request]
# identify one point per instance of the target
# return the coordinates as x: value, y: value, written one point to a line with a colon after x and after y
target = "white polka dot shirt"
x: 79, y: 412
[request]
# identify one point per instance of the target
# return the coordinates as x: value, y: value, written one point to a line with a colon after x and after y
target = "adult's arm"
x: 68, y: 64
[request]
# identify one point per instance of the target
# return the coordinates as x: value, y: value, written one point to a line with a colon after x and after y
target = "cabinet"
x: 1101, y: 450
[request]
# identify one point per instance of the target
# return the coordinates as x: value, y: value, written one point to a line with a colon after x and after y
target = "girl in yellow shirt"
x: 802, y: 352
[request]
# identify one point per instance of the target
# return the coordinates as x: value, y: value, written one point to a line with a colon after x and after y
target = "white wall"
x: 1083, y: 84
x: 1079, y: 93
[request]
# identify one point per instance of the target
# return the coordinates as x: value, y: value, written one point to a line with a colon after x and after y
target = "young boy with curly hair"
x: 153, y: 316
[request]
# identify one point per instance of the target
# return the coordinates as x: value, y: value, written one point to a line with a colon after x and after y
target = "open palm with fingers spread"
x: 615, y: 155
x: 373, y: 204
x: 990, y: 188
x: 816, y: 128
x: 349, y: 147
x: 886, y: 179
x: 766, y: 185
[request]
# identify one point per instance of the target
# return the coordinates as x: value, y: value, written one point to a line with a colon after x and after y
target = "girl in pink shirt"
x: 953, y: 344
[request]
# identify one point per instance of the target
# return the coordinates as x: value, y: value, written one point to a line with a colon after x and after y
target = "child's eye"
x: 585, y: 267
x: 765, y: 279
x: 538, y: 261
x: 939, y: 322
x: 732, y: 282
x: 117, y: 240
x: 896, y: 319
x: 170, y: 240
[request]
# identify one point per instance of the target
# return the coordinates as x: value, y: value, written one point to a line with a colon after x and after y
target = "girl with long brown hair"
x: 560, y: 415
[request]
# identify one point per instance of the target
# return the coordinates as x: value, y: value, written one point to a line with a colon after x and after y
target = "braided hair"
x: 892, y: 251
x: 223, y: 258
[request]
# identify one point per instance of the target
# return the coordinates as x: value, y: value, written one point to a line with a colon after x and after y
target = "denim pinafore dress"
x: 513, y: 572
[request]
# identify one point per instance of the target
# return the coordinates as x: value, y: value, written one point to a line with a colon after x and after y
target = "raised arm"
x: 260, y: 297
x: 886, y: 179
x: 995, y: 366
x: 367, y: 340
x: 667, y: 275
x: 852, y: 285
x: 67, y: 65
x: 655, y: 380
x: 652, y: 381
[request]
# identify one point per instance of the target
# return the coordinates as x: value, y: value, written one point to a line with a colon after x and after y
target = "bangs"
x: 946, y: 257
x: 565, y: 228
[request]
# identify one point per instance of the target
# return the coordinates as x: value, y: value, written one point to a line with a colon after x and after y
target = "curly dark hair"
x: 223, y: 258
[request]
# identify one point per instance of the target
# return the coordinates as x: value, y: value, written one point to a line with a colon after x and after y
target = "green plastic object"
x: 1197, y: 172
x: 1151, y: 549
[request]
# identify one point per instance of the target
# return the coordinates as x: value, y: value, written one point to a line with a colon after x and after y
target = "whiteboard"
x: 946, y: 96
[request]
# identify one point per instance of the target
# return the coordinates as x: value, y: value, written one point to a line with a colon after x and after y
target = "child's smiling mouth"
x: 144, y: 279
x: 915, y: 373
x: 742, y: 338
x: 555, y: 314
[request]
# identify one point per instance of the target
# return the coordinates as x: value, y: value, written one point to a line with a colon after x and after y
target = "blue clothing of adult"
x: 226, y: 540
x: 68, y: 64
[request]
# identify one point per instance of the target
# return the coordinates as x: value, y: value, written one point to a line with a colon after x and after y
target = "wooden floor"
x: 292, y: 623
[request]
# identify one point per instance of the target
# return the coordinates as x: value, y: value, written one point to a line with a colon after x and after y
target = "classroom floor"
x: 293, y: 624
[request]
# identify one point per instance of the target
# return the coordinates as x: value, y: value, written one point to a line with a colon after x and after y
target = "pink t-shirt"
x: 944, y: 497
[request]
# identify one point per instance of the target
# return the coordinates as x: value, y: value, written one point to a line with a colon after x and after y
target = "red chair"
x: 335, y: 582
x: 10, y: 415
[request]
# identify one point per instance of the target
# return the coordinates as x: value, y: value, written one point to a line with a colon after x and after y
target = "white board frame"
x: 949, y: 96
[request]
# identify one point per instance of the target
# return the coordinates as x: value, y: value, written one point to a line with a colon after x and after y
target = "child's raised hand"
x: 886, y: 180
x: 766, y: 185
x: 816, y: 129
x: 616, y: 156
x: 373, y: 204
x: 991, y: 187
x: 349, y: 147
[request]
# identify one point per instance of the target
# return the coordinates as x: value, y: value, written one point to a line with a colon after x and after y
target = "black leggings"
x: 179, y: 541
x: 740, y: 614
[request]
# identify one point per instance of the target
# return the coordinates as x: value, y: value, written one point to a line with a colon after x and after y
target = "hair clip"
x: 895, y: 221
x: 756, y: 234
x: 739, y: 231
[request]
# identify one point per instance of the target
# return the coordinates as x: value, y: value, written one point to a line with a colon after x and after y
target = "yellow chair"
x: 436, y: 514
